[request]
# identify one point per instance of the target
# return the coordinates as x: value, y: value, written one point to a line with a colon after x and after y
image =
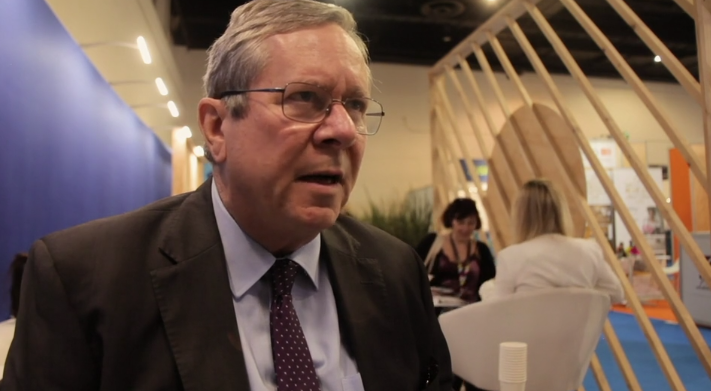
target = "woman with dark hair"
x: 454, y: 259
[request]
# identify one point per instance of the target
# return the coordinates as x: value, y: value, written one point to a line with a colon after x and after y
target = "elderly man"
x: 252, y: 282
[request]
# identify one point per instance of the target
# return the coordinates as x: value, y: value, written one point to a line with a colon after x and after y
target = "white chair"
x: 561, y: 327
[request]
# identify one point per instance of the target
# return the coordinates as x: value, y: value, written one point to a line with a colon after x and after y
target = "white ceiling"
x: 104, y: 27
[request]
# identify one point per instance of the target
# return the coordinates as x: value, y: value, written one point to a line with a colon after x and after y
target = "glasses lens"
x: 373, y: 117
x: 305, y: 102
x: 365, y: 113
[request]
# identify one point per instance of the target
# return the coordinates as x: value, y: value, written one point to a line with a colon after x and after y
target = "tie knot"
x: 283, y: 274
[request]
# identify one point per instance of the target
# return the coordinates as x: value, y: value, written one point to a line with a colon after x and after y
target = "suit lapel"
x: 195, y: 300
x: 362, y: 302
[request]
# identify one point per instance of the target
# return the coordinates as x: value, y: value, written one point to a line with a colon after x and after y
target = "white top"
x: 7, y: 332
x: 555, y: 261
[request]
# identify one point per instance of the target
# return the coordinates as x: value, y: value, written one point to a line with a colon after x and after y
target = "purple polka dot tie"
x: 292, y: 360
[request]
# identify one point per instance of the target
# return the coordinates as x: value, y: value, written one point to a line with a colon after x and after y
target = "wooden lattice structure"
x: 513, y: 162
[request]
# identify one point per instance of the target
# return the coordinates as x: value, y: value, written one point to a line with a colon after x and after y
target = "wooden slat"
x: 528, y: 163
x: 450, y: 146
x: 179, y: 162
x: 491, y: 126
x: 442, y: 106
x: 494, y: 24
x: 513, y: 76
x: 581, y: 202
x: 437, y: 164
x: 599, y: 374
x: 441, y: 94
x: 669, y: 60
x: 609, y: 187
x: 483, y: 145
x: 677, y: 226
x: 621, y: 357
x: 639, y: 87
x: 688, y: 6
x: 703, y: 39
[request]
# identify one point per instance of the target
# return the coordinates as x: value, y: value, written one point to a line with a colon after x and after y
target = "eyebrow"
x: 351, y: 92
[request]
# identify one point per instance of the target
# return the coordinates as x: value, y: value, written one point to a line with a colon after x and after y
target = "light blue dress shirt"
x: 315, y: 305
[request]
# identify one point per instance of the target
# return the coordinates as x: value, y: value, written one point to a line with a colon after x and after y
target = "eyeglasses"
x: 308, y: 103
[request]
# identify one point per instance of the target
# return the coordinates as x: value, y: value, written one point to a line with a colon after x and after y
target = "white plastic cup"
x: 512, y: 386
x: 513, y: 362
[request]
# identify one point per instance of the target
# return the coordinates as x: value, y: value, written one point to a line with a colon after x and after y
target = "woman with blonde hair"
x: 546, y: 255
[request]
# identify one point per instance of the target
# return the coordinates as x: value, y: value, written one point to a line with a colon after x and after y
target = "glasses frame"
x: 326, y: 112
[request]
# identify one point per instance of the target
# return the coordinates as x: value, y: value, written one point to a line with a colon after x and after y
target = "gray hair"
x: 237, y: 57
x: 540, y: 209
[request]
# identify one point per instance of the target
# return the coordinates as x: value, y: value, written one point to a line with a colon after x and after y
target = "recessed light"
x: 143, y: 48
x: 161, y: 86
x: 185, y: 132
x: 657, y: 59
x: 173, y: 109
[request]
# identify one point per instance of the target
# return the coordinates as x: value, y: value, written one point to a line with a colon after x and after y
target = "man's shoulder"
x: 139, y: 223
x: 369, y: 237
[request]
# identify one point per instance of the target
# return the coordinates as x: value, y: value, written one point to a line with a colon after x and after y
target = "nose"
x: 337, y: 129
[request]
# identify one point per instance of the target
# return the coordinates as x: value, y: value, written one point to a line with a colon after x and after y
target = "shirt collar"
x: 247, y: 260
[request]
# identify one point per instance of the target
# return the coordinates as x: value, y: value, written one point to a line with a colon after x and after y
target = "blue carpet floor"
x: 643, y: 361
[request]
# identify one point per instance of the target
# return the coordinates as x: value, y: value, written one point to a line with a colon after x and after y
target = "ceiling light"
x: 657, y: 59
x: 198, y: 151
x: 161, y: 86
x: 173, y: 109
x: 143, y: 48
x: 185, y: 132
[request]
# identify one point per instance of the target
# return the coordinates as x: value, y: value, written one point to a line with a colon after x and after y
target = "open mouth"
x: 322, y: 179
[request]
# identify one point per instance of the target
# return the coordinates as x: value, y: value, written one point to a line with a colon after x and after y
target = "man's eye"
x: 303, y: 96
x: 358, y: 105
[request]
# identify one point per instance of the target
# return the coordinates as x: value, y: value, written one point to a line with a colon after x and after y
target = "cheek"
x: 356, y: 157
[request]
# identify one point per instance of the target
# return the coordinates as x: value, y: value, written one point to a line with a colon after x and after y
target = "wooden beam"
x: 621, y: 357
x: 640, y: 88
x: 529, y: 164
x: 481, y: 102
x: 581, y: 202
x: 441, y: 95
x: 599, y: 374
x: 483, y: 145
x: 687, y: 6
x: 450, y: 146
x: 640, y: 168
x: 669, y: 60
x: 655, y: 267
x: 494, y: 24
x: 703, y: 39
x: 179, y: 161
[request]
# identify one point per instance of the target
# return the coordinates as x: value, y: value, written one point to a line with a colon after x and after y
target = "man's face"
x: 295, y: 177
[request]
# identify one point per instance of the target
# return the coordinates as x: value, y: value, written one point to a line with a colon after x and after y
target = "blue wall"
x: 70, y: 149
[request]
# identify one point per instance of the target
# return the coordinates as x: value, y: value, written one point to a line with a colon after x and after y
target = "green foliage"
x: 407, y: 220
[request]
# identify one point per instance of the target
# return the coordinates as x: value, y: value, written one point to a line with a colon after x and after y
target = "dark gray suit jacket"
x: 142, y: 301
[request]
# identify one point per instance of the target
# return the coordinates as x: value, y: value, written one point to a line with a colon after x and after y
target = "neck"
x: 459, y: 239
x: 279, y: 239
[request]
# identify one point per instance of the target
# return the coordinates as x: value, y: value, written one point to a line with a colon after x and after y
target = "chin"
x: 319, y: 217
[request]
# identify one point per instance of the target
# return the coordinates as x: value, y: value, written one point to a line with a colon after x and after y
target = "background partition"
x: 72, y: 151
x: 538, y: 140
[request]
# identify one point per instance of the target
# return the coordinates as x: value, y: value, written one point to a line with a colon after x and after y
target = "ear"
x: 212, y: 114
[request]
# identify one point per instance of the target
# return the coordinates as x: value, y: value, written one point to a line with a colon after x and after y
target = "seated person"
x: 455, y: 260
x: 7, y: 328
x: 546, y: 256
